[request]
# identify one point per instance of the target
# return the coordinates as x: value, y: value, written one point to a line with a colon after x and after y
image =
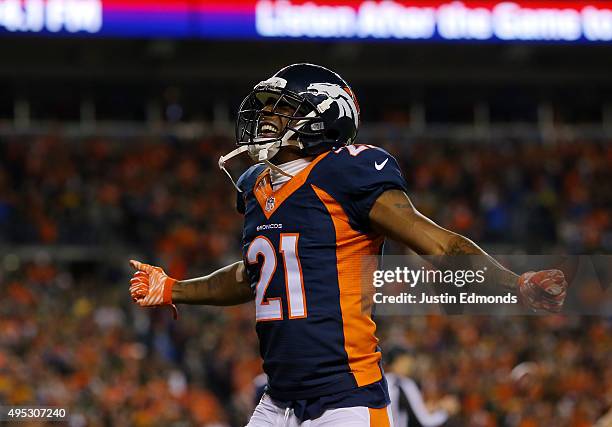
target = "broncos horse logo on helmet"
x: 342, y: 95
x: 325, y: 113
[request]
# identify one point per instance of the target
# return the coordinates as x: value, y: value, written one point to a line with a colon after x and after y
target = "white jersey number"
x: 354, y: 150
x: 267, y: 309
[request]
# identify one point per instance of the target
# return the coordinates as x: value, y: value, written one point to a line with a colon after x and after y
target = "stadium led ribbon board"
x: 547, y: 21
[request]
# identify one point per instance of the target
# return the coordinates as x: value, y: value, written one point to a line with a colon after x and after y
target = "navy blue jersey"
x: 307, y: 247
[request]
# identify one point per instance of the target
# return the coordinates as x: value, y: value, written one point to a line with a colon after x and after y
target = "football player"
x: 316, y: 211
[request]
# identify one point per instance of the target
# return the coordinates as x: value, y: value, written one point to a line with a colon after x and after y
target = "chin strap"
x: 224, y: 159
x: 277, y: 169
x: 262, y: 155
x: 240, y: 150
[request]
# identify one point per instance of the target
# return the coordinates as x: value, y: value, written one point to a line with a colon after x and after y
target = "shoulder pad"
x: 355, y: 157
x: 247, y: 179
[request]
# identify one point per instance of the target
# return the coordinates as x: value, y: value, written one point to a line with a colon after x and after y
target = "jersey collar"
x: 270, y: 200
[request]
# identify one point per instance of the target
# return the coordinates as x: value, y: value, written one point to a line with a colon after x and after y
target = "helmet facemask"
x: 253, y: 112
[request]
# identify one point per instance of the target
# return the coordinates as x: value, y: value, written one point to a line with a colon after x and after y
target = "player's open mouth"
x: 267, y: 129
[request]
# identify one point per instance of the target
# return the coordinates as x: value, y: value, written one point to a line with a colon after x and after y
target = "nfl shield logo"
x: 270, y: 204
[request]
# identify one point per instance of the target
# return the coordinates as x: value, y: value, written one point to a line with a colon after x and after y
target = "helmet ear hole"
x: 332, y: 134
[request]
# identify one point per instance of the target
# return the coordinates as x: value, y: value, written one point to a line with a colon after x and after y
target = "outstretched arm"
x: 152, y: 287
x: 226, y: 286
x: 394, y: 216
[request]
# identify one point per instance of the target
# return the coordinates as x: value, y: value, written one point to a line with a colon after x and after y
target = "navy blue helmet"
x: 325, y: 111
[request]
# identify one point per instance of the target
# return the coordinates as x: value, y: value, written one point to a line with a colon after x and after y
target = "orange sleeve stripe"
x: 379, y: 417
x: 352, y: 250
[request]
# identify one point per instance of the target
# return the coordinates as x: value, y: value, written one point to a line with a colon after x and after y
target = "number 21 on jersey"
x: 267, y: 309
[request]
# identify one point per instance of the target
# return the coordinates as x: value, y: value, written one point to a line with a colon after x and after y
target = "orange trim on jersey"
x: 356, y: 260
x: 263, y: 187
x: 263, y: 191
x: 379, y: 417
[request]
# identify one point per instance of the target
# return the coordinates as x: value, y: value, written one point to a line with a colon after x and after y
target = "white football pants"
x: 269, y: 414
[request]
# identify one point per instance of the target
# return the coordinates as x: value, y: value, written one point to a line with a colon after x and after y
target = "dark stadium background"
x: 108, y: 150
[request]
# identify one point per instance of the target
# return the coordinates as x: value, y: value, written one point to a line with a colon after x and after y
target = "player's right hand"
x: 150, y: 286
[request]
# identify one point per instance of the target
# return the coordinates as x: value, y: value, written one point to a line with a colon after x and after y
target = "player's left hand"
x: 543, y: 290
x: 151, y: 286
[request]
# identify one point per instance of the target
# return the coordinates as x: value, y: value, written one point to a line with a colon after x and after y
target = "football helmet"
x: 325, y: 114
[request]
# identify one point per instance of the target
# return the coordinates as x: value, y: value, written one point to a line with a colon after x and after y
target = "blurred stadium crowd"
x: 70, y: 336
x: 168, y: 197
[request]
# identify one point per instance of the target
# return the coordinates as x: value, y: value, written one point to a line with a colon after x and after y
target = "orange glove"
x: 543, y: 290
x: 151, y: 287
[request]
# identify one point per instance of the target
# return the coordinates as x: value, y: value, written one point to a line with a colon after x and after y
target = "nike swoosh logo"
x: 382, y: 165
